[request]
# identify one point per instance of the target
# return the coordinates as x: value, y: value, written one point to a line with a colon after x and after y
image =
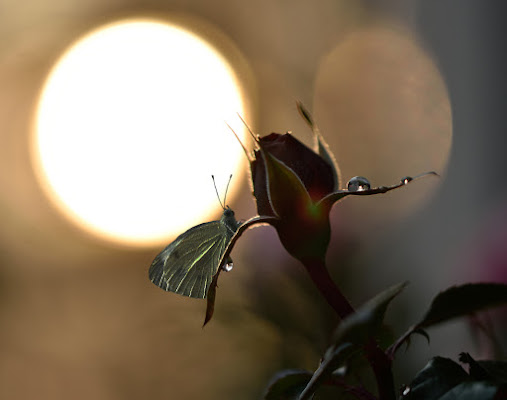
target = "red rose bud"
x: 298, y: 187
x: 302, y: 225
x: 315, y: 173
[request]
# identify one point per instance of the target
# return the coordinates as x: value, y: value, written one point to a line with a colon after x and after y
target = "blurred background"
x: 397, y: 87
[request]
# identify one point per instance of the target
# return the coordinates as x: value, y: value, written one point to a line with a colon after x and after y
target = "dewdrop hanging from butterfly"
x: 294, y: 188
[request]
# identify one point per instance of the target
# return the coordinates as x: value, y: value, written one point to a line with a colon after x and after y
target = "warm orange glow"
x: 131, y: 125
x: 384, y: 109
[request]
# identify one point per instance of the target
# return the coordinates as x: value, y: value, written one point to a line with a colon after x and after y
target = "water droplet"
x: 406, y: 391
x: 342, y: 371
x: 228, y: 267
x: 358, y: 184
x: 406, y: 179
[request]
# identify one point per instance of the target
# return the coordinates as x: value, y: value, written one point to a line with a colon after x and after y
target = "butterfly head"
x: 229, y: 220
x: 228, y: 212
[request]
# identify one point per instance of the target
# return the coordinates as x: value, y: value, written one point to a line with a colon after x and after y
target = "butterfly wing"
x: 187, y: 265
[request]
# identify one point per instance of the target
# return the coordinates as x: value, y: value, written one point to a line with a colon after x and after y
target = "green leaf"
x: 443, y: 379
x: 287, y: 384
x: 352, y: 333
x: 322, y: 147
x: 367, y: 320
x: 438, y: 377
x: 487, y: 370
x: 458, y: 301
x: 334, y: 357
x: 497, y: 370
x: 472, y: 391
x: 474, y: 369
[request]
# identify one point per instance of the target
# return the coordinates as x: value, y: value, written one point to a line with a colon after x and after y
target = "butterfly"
x: 188, y: 264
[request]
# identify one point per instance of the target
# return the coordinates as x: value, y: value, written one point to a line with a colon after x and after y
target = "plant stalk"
x: 381, y: 366
x: 378, y: 360
x: 323, y: 281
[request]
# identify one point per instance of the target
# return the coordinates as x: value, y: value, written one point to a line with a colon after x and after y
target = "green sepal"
x: 287, y: 194
x: 328, y: 201
x: 321, y: 147
x: 211, y: 295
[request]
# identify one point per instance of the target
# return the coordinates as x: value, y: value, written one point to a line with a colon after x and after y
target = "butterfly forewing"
x: 188, y: 264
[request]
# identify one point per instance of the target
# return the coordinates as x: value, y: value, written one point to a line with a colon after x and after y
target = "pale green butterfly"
x: 188, y: 264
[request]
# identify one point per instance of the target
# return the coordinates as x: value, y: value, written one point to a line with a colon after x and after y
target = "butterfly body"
x: 188, y: 264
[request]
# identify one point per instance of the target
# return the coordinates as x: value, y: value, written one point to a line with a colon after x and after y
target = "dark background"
x: 79, y: 317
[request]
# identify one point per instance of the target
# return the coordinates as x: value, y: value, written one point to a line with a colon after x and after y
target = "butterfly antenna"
x: 216, y: 191
x: 226, y: 189
x: 242, y: 145
x: 255, y: 137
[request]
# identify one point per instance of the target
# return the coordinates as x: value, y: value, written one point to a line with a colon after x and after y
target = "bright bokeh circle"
x: 130, y: 125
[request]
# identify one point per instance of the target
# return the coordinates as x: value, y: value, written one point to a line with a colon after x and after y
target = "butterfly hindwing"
x: 187, y: 265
